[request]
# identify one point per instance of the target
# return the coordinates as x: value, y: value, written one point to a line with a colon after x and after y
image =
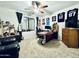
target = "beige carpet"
x: 31, y: 48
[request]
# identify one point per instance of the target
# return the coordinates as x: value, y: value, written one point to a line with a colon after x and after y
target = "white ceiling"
x: 53, y: 6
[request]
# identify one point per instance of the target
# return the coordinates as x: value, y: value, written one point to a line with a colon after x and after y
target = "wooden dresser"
x: 70, y: 37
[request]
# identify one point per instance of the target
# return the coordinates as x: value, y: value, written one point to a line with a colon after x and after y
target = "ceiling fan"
x: 36, y: 7
x: 39, y: 6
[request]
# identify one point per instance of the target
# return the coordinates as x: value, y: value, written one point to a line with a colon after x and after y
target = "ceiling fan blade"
x: 45, y: 6
x: 42, y: 11
x: 37, y: 3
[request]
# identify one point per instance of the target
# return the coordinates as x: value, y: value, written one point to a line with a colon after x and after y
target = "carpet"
x: 31, y: 48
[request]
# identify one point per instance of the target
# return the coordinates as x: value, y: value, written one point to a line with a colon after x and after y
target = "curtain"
x: 19, y: 17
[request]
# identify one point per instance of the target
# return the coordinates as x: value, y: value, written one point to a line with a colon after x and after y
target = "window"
x: 28, y: 24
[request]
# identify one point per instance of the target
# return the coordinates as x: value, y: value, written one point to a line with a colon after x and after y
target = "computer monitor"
x: 47, y: 27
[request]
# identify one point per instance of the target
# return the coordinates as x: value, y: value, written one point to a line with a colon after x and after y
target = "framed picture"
x: 72, y: 18
x: 43, y: 21
x: 72, y: 13
x: 47, y: 21
x: 39, y: 22
x: 54, y: 18
x: 61, y: 17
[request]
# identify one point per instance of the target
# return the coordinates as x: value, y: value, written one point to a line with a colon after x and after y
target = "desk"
x: 42, y: 33
x: 43, y: 41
